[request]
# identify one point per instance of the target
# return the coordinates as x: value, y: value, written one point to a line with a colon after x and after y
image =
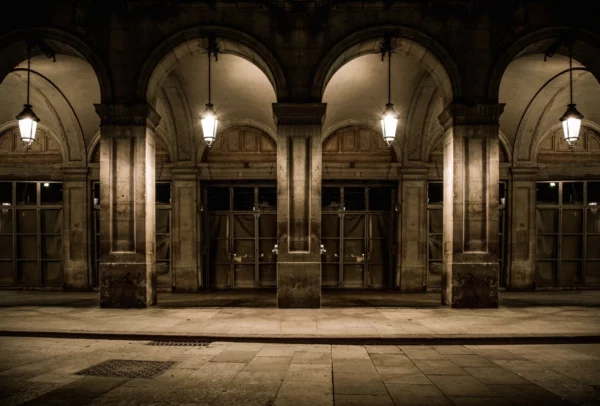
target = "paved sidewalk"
x: 363, y: 325
x: 37, y: 371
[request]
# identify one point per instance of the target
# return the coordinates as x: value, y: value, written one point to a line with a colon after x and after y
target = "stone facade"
x: 467, y: 122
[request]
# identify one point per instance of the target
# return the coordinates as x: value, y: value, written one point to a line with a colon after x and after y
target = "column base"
x: 125, y: 286
x: 75, y: 278
x: 299, y: 285
x: 474, y: 286
x: 521, y: 278
x: 186, y: 279
x: 411, y: 280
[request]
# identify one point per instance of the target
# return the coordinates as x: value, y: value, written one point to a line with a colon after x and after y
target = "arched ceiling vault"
x: 63, y: 94
x: 420, y: 88
x: 536, y: 94
x: 241, y: 93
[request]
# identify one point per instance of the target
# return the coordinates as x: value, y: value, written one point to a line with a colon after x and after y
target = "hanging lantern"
x: 209, y: 118
x: 209, y: 124
x: 389, y: 122
x: 389, y: 119
x: 28, y: 121
x: 571, y: 120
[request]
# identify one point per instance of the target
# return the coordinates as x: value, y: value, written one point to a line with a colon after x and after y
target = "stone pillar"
x: 299, y: 203
x: 471, y: 169
x: 522, y: 229
x: 127, y: 205
x: 76, y: 208
x: 413, y: 229
x: 184, y: 234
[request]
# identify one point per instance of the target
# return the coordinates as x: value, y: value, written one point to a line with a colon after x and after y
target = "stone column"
x: 76, y: 208
x: 413, y: 229
x: 471, y: 169
x: 127, y: 205
x: 184, y: 235
x: 299, y: 203
x: 522, y: 229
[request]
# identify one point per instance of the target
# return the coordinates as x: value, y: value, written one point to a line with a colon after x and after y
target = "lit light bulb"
x: 209, y: 124
x: 389, y: 122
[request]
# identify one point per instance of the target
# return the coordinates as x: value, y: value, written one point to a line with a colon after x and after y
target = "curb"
x: 403, y: 340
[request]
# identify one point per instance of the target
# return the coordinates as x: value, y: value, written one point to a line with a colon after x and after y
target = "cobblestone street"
x: 41, y: 371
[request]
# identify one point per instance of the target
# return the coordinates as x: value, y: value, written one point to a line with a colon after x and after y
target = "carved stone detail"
x: 75, y: 174
x: 299, y: 113
x: 471, y: 114
x: 127, y: 114
x: 524, y: 174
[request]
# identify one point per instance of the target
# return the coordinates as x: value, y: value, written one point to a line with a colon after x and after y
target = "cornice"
x: 470, y: 114
x: 299, y: 113
x: 127, y: 115
x: 524, y: 174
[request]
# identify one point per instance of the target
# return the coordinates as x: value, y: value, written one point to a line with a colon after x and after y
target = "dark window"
x: 435, y: 193
x: 330, y: 198
x: 354, y: 198
x: 573, y: 193
x: 96, y: 193
x: 217, y: 198
x: 593, y: 191
x: 243, y: 198
x: 26, y: 193
x: 6, y: 193
x: 547, y: 193
x: 267, y: 198
x: 502, y: 194
x: 380, y: 199
x: 51, y: 193
x: 163, y: 193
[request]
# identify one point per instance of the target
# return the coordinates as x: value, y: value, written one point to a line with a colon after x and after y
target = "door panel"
x: 242, y: 235
x: 359, y: 231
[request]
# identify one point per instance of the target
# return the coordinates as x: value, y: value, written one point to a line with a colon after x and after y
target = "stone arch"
x: 189, y: 42
x: 551, y: 147
x: 357, y: 143
x: 407, y: 40
x: 13, y: 48
x: 242, y: 143
x: 585, y: 48
x: 47, y: 147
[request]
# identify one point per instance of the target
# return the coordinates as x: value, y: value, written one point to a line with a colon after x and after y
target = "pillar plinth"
x: 413, y: 229
x: 76, y: 228
x: 185, y: 260
x: 299, y: 157
x: 522, y: 228
x: 471, y: 169
x: 127, y: 205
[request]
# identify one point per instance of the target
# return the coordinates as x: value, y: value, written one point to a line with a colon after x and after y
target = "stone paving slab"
x: 347, y: 325
x: 32, y: 372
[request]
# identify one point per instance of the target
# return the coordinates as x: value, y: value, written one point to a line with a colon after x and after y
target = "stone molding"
x: 471, y: 114
x: 524, y: 174
x: 74, y: 174
x: 299, y: 113
x: 413, y: 174
x: 184, y: 174
x: 127, y: 115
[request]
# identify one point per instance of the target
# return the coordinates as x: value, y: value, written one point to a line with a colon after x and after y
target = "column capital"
x: 184, y: 173
x: 470, y: 114
x: 413, y: 173
x: 299, y: 113
x: 74, y: 173
x: 127, y: 114
x: 524, y: 174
